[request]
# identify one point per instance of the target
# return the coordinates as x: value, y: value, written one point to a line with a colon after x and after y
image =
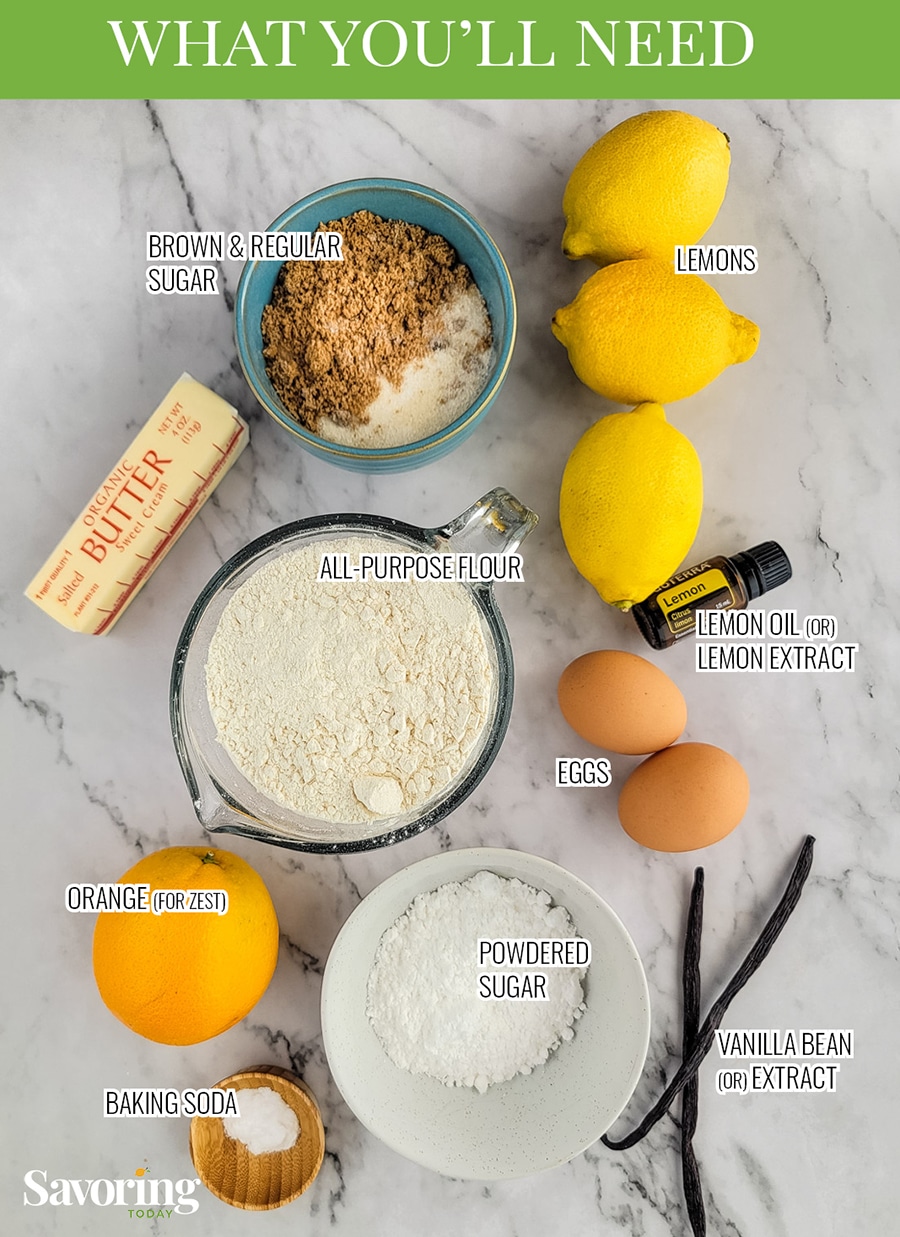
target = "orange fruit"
x: 182, y: 977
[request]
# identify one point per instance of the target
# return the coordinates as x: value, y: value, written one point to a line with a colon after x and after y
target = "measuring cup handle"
x: 496, y: 522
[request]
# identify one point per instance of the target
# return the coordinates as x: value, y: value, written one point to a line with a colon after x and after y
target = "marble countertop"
x: 800, y: 444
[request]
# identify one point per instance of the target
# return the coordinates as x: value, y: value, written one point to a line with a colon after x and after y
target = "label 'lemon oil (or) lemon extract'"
x: 717, y: 583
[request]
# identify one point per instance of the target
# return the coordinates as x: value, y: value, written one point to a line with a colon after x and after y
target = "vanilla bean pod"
x: 690, y: 1100
x: 754, y: 959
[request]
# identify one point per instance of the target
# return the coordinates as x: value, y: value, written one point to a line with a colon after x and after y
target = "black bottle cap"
x: 763, y: 567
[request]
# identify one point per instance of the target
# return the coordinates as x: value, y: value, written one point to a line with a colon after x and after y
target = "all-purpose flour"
x: 422, y: 994
x: 348, y: 701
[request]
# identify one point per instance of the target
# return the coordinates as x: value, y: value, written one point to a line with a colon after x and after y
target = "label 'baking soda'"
x: 140, y: 509
x: 167, y: 1102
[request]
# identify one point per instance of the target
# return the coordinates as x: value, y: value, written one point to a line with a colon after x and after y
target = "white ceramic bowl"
x: 534, y: 1122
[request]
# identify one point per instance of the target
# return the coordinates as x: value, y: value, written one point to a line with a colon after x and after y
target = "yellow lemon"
x: 637, y: 332
x: 655, y: 181
x: 630, y: 503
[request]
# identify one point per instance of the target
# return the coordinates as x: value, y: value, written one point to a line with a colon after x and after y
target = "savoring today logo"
x: 145, y: 1197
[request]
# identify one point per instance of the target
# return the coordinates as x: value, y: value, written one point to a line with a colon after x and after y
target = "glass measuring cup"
x: 224, y: 800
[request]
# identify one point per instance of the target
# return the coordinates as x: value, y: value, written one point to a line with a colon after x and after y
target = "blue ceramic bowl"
x: 390, y: 199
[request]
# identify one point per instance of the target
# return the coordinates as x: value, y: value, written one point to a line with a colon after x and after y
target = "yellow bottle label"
x: 140, y: 509
x: 708, y: 590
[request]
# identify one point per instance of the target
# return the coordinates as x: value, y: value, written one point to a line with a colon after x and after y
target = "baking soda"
x: 266, y: 1122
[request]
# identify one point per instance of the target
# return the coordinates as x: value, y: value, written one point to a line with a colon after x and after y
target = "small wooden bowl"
x: 260, y: 1182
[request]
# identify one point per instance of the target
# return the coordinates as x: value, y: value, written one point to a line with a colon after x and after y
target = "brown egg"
x: 687, y: 797
x: 621, y: 702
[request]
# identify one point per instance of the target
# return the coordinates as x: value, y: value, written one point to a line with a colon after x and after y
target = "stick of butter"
x: 140, y: 510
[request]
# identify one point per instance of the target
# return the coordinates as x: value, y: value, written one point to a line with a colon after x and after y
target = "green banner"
x: 270, y: 49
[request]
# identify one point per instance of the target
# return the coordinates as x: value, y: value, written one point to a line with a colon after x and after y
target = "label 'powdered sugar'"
x: 422, y: 992
x: 348, y: 701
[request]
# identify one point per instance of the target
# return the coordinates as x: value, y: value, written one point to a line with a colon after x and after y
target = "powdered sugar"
x: 422, y: 994
x: 348, y: 701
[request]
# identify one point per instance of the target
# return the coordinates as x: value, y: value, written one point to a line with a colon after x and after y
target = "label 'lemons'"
x: 637, y: 332
x: 655, y: 181
x: 630, y: 503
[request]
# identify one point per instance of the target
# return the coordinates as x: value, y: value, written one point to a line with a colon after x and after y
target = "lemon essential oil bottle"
x: 717, y: 583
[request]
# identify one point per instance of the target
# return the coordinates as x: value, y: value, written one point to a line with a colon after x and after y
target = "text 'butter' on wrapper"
x: 140, y: 509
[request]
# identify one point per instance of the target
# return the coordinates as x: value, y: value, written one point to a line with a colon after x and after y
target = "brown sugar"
x: 334, y: 331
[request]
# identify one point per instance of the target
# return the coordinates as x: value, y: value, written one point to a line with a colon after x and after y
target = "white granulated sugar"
x: 266, y: 1122
x: 348, y: 701
x: 422, y: 990
x: 434, y: 390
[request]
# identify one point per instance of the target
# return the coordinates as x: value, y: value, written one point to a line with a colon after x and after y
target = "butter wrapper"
x: 141, y: 508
